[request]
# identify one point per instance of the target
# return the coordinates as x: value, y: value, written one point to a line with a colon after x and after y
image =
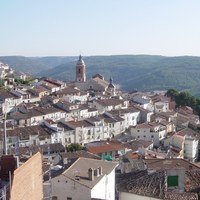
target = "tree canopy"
x: 184, y: 98
x: 74, y: 147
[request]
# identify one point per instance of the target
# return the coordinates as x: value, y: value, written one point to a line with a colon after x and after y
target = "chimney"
x: 91, y: 174
x: 96, y: 172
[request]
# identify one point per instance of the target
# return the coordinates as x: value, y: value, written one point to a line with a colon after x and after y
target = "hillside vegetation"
x: 142, y: 72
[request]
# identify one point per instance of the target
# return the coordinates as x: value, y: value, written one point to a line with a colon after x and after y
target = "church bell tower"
x: 80, y: 70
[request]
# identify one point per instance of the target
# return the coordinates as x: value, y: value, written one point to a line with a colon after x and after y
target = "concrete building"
x: 85, y: 179
x: 149, y: 132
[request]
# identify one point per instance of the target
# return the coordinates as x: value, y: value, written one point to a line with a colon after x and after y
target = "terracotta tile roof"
x: 140, y: 143
x: 157, y: 98
x: 141, y: 109
x: 5, y: 94
x: 141, y: 183
x: 144, y: 125
x: 36, y: 111
x: 108, y: 119
x: 101, y: 82
x: 123, y: 111
x: 47, y: 110
x: 154, y: 185
x: 188, y: 132
x: 37, y: 89
x: 68, y: 91
x: 109, y: 102
x: 54, y: 82
x: 164, y: 164
x: 44, y: 149
x: 82, y: 123
x: 182, y: 196
x: 79, y: 154
x: 24, y: 132
x: 104, y: 146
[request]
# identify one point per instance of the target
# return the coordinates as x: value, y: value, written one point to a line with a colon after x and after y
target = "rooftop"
x: 82, y: 165
x: 109, y: 102
x: 164, y: 164
x: 104, y: 146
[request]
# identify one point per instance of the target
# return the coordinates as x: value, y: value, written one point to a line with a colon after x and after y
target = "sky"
x: 99, y: 27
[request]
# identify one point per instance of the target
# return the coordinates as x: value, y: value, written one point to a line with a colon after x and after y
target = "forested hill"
x: 142, y: 72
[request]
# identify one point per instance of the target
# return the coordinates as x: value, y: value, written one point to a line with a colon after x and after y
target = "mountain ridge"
x: 142, y: 72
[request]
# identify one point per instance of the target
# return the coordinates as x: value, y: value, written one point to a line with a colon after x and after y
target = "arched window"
x: 79, y: 70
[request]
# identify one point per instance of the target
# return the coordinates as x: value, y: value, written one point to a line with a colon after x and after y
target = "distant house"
x: 72, y: 95
x: 187, y: 140
x: 130, y: 115
x: 27, y: 136
x: 149, y: 132
x: 161, y: 103
x: 8, y: 100
x: 35, y: 116
x: 104, y: 149
x: 145, y: 115
x: 89, y: 130
x: 109, y: 104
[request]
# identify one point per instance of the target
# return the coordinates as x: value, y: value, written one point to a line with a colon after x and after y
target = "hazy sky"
x: 99, y: 27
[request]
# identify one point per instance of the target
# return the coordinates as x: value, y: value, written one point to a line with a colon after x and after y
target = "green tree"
x: 74, y: 147
x: 183, y: 99
x: 172, y: 93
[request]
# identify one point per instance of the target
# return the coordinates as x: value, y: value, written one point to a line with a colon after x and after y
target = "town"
x: 87, y: 139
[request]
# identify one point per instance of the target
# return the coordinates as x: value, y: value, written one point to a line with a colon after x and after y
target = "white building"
x: 92, y: 129
x: 143, y: 100
x: 149, y: 133
x: 109, y: 104
x: 130, y: 115
x: 72, y: 95
x: 191, y: 148
x: 86, y: 179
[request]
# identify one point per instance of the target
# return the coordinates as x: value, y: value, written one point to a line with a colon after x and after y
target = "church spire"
x: 111, y: 85
x: 80, y: 70
x: 111, y: 80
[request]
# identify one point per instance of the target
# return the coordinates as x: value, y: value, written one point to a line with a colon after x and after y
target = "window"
x: 172, y: 181
x: 133, y: 118
x: 89, y: 132
x: 10, y: 140
x: 69, y: 198
x: 138, y: 130
x: 79, y: 70
x: 138, y: 136
x: 54, y: 197
x: 152, y: 136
